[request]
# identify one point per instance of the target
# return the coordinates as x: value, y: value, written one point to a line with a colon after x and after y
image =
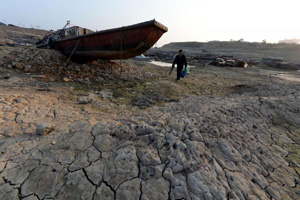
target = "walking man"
x: 180, y: 60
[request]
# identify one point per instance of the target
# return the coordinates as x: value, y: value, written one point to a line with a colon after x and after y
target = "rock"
x: 105, y: 94
x: 44, y: 129
x: 27, y: 68
x: 144, y: 129
x: 84, y: 101
x: 37, y: 76
x: 31, y: 129
x: 65, y: 79
x: 7, y: 76
x: 77, y: 68
x: 18, y: 65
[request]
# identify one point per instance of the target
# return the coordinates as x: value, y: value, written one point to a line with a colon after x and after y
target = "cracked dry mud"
x: 243, y: 144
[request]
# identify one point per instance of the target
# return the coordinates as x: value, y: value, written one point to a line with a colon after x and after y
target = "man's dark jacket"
x: 180, y: 61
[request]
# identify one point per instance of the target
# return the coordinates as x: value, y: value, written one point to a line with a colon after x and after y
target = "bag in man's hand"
x: 183, y: 73
x: 187, y: 70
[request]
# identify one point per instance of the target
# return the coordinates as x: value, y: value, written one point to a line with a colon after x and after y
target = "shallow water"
x: 164, y: 64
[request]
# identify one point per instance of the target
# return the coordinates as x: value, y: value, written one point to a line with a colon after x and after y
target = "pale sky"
x: 187, y: 20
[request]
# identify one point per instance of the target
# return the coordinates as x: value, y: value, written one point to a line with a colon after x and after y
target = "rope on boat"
x: 75, y: 48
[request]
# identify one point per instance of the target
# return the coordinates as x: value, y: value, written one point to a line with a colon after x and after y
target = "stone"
x: 44, y: 129
x: 6, y: 76
x: 105, y: 94
x: 18, y: 65
x: 66, y: 79
x: 27, y: 68
x: 144, y: 129
x: 84, y: 101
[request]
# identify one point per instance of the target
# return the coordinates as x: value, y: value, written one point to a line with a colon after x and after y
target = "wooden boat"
x: 84, y: 45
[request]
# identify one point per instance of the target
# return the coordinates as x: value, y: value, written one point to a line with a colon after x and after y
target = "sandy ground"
x: 108, y: 131
x: 220, y: 133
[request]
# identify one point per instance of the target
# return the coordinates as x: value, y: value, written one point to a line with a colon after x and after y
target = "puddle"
x: 164, y: 64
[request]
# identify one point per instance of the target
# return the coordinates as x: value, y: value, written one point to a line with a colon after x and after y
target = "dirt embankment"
x: 17, y: 35
x: 244, y: 50
x: 104, y: 130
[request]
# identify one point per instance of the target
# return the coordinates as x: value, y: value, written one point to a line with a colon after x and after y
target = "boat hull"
x: 114, y: 44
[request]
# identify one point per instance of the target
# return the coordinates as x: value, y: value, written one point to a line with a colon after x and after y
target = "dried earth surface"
x: 243, y: 50
x: 108, y: 131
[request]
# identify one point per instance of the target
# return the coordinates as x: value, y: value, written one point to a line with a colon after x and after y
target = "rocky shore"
x: 107, y: 130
